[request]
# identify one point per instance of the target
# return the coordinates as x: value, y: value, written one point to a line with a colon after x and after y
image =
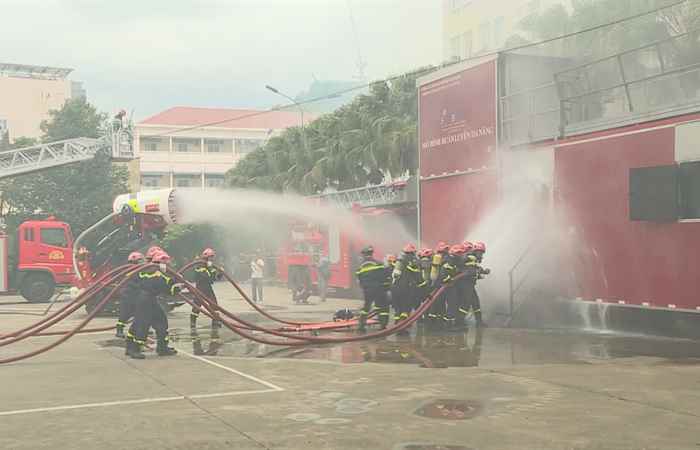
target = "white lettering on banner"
x: 458, y: 137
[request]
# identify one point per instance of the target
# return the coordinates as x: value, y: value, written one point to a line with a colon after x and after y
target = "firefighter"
x: 152, y: 281
x: 473, y: 302
x: 405, y: 280
x: 128, y: 296
x: 373, y: 279
x: 454, y: 294
x: 466, y: 292
x: 436, y: 313
x: 425, y: 260
x: 205, y: 276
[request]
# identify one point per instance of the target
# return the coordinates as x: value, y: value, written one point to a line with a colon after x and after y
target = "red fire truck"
x: 48, y: 256
x: 610, y: 148
x: 386, y: 215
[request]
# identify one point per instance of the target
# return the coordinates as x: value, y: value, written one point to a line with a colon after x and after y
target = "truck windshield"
x: 54, y: 236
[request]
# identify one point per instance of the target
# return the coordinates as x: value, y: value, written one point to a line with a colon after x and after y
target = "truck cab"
x: 45, y: 258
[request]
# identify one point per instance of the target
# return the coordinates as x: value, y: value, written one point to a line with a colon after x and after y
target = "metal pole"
x: 512, y: 295
x: 301, y: 111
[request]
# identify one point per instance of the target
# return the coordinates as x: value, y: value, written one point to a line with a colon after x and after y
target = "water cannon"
x: 160, y: 202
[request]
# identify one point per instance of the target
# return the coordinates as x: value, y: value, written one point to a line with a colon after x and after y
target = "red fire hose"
x: 239, y: 326
x: 62, y: 313
x: 310, y: 339
x: 81, y: 325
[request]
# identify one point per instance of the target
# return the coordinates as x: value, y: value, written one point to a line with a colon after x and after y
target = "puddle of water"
x: 492, y: 347
x: 450, y: 409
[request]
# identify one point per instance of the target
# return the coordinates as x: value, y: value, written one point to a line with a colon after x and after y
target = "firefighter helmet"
x: 442, y: 247
x: 208, y: 253
x: 152, y: 251
x: 479, y: 247
x: 367, y: 251
x: 457, y: 249
x: 161, y: 258
x: 135, y: 257
x: 409, y: 248
x: 426, y: 253
x: 468, y: 246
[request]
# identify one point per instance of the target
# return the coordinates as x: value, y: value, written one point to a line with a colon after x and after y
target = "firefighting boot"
x: 193, y: 321
x: 383, y: 319
x: 133, y: 350
x: 162, y: 348
x: 120, y: 330
x: 363, y: 322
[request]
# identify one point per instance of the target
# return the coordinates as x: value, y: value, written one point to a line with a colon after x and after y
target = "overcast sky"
x: 149, y: 55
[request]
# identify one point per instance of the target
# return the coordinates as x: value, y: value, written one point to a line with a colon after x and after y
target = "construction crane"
x: 117, y: 140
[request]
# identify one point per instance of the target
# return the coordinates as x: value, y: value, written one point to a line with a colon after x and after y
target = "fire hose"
x: 79, y: 301
x: 82, y: 324
x: 237, y: 325
x: 214, y: 307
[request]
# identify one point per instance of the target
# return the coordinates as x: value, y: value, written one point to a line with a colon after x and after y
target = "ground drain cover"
x: 450, y: 409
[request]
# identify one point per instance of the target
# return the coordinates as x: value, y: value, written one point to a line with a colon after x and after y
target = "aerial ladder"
x: 117, y: 139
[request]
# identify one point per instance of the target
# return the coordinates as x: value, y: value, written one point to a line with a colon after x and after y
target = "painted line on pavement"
x: 272, y: 387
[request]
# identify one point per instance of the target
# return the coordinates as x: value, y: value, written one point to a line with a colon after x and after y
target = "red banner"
x: 458, y: 121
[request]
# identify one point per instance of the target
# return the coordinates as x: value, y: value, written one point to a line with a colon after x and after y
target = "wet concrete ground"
x: 494, y: 389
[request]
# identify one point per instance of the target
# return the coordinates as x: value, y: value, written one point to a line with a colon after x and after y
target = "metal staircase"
x: 117, y: 141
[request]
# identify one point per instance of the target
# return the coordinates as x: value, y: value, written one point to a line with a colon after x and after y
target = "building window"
x: 214, y: 181
x: 467, y: 44
x: 187, y: 145
x: 184, y: 181
x: 29, y: 234
x: 456, y: 47
x: 214, y: 146
x: 499, y: 31
x: 245, y: 146
x: 152, y: 181
x: 150, y: 144
x: 456, y: 5
x: 665, y: 193
x: 485, y: 36
x: 689, y: 189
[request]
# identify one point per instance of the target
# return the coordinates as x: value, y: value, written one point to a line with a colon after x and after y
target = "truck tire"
x: 37, y: 287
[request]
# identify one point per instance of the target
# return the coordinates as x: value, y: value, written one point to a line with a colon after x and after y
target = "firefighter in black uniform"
x: 449, y: 269
x: 405, y: 280
x: 455, y: 292
x: 205, y: 275
x: 152, y: 281
x: 425, y: 260
x: 473, y: 302
x: 128, y: 296
x: 437, y: 312
x: 466, y: 292
x: 373, y: 279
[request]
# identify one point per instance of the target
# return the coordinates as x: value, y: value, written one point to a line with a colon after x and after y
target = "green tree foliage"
x: 361, y: 143
x: 79, y: 194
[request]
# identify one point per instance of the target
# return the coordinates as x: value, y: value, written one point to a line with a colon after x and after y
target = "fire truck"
x: 386, y: 216
x: 583, y: 166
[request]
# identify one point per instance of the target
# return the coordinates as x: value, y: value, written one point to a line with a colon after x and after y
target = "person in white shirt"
x: 257, y: 267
